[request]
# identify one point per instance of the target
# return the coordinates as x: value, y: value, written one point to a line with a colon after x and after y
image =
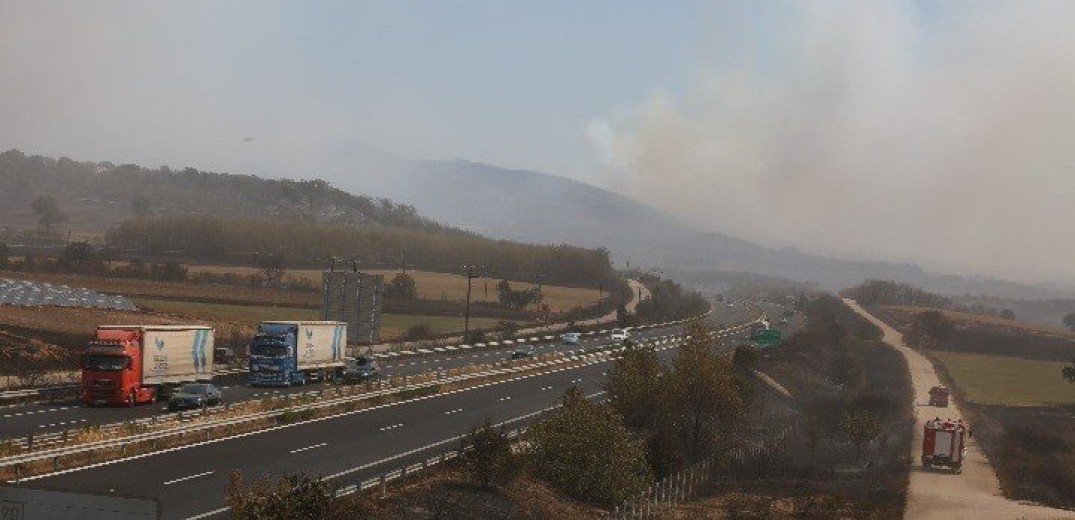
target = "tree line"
x: 165, y: 191
x: 312, y: 244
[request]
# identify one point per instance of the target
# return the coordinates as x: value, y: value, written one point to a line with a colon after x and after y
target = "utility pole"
x: 541, y: 276
x: 471, y: 272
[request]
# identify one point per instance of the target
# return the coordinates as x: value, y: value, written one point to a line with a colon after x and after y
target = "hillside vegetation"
x: 100, y: 194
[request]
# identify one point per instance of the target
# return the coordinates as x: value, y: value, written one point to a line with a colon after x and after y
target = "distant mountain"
x: 444, y: 195
x: 539, y: 207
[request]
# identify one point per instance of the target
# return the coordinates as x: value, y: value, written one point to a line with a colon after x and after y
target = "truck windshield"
x: 104, y: 362
x: 273, y: 351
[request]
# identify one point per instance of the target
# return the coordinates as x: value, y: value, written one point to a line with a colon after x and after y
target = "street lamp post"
x: 471, y: 272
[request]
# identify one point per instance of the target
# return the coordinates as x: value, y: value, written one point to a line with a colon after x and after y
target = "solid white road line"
x: 170, y: 482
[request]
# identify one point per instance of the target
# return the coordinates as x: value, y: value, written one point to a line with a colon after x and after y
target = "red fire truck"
x: 943, y: 444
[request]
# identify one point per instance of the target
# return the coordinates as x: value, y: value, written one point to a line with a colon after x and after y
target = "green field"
x: 1000, y: 380
x: 392, y: 325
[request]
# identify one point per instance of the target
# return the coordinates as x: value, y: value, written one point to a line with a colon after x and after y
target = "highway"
x: 40, y: 418
x: 347, y: 449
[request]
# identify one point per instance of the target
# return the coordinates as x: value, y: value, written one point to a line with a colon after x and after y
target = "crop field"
x: 1002, y: 380
x: 978, y: 319
x: 392, y: 325
x: 439, y: 286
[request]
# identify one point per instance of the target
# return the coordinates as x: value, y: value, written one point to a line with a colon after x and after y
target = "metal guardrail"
x: 56, y: 453
x: 30, y: 442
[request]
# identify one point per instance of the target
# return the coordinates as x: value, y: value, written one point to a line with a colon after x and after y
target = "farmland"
x: 430, y: 286
x: 1002, y: 380
x: 437, y: 286
x: 392, y: 325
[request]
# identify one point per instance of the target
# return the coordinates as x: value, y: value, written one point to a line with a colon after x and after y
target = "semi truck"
x: 285, y: 353
x: 944, y: 444
x: 133, y: 364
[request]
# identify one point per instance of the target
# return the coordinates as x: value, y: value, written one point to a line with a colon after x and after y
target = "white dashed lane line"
x: 314, y: 447
x: 181, y: 479
x: 450, y: 412
x: 392, y: 427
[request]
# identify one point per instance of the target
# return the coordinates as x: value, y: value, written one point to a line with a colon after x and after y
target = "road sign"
x: 768, y: 337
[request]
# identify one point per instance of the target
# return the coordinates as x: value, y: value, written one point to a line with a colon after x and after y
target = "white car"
x: 620, y: 335
x: 570, y: 338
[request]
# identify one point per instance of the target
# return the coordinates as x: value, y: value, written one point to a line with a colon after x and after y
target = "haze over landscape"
x: 925, y: 132
x: 384, y: 260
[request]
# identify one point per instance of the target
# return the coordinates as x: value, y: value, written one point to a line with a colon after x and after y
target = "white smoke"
x: 945, y: 133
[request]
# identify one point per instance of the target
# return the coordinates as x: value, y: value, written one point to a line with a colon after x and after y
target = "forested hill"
x: 95, y: 196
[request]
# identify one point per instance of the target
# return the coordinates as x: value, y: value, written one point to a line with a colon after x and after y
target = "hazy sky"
x: 938, y: 131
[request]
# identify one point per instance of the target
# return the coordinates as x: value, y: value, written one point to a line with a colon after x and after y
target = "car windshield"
x: 272, y: 351
x: 104, y: 362
x: 194, y: 389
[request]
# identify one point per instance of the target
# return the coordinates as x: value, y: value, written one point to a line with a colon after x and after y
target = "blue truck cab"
x: 286, y: 353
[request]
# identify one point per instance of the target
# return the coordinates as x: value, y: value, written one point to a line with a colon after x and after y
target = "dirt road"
x: 935, y: 494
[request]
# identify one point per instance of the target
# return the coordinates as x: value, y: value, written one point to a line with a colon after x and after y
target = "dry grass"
x: 78, y: 321
x: 972, y: 319
x: 439, y: 286
x: 1009, y: 381
x: 393, y: 326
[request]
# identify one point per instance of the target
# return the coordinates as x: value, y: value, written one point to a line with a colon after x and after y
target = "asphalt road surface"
x: 346, y: 449
x: 39, y: 418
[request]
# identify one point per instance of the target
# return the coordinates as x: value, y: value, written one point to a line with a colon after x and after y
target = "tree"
x: 48, y: 212
x: 518, y: 300
x: 488, y: 456
x: 1068, y: 372
x: 80, y: 257
x: 585, y: 451
x: 140, y: 206
x: 1069, y: 320
x: 705, y: 403
x: 861, y: 427
x: 4, y: 253
x: 1007, y: 314
x: 272, y: 269
x: 402, y: 287
x: 929, y: 329
x: 634, y: 388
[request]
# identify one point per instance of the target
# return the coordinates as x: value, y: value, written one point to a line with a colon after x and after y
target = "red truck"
x: 944, y: 444
x: 132, y: 364
x: 938, y: 396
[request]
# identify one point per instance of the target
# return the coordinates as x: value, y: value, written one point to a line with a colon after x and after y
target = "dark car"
x: 523, y: 352
x: 195, y: 395
x: 360, y: 369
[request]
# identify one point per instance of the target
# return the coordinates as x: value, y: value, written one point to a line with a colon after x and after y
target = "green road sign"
x: 767, y: 338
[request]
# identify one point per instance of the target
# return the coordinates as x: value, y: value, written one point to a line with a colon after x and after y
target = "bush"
x: 489, y: 459
x: 419, y: 332
x: 292, y: 496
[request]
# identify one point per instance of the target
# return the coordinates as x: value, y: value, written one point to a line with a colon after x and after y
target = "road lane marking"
x: 178, y: 480
x: 449, y: 412
x: 314, y: 447
x: 392, y: 427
